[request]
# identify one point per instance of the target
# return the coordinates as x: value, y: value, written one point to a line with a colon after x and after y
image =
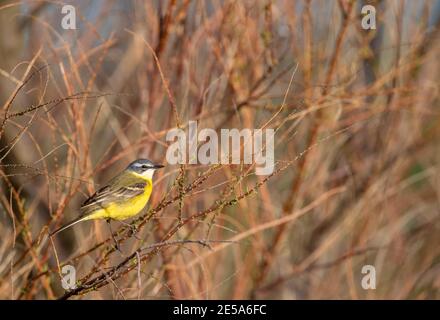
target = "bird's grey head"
x: 144, y: 167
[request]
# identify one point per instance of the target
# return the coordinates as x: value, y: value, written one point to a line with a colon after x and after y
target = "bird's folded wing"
x: 110, y: 194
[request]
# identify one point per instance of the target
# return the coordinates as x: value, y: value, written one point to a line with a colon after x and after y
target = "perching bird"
x: 123, y: 197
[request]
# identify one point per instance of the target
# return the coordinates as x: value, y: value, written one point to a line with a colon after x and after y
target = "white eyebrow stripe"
x: 134, y: 188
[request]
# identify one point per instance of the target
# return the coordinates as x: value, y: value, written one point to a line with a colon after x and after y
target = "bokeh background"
x: 357, y: 176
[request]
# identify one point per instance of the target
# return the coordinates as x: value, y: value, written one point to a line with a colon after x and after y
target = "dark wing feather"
x: 100, y: 194
x: 110, y: 194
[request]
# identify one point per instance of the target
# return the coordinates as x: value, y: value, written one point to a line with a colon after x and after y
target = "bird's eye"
x: 144, y: 166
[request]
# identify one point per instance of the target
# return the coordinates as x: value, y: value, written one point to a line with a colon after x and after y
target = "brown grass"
x: 357, y: 175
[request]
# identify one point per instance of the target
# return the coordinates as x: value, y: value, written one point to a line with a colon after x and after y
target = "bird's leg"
x: 132, y: 228
x: 113, y: 236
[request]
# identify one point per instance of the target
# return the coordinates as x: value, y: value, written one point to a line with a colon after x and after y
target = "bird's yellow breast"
x: 130, y: 208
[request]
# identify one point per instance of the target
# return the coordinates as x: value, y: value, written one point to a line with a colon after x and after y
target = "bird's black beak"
x: 158, y: 166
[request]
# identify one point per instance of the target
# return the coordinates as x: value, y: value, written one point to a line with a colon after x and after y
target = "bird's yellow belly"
x: 128, y: 209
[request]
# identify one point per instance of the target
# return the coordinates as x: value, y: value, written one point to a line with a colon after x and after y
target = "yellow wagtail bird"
x: 123, y: 197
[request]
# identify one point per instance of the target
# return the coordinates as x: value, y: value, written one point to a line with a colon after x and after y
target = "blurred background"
x: 357, y: 177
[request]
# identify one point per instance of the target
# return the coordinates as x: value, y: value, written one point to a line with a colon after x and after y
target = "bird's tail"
x: 68, y: 225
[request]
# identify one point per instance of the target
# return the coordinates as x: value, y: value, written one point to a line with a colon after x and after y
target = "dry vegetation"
x: 357, y: 178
